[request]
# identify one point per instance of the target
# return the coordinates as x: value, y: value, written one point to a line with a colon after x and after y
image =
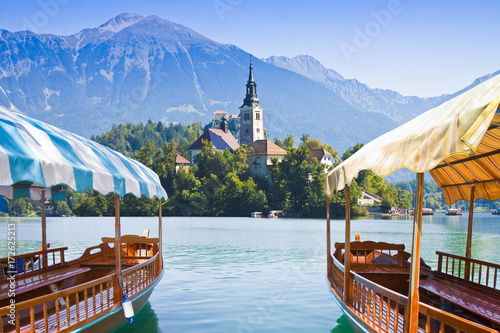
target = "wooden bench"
x: 372, y: 253
x: 45, y: 279
x: 484, y: 302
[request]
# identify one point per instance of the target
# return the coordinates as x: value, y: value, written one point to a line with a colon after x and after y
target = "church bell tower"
x: 251, y: 117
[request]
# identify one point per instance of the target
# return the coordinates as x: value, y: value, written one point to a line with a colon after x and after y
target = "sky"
x: 415, y: 47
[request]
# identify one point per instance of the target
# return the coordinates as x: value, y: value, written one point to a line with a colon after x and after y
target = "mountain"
x: 387, y: 102
x: 134, y: 68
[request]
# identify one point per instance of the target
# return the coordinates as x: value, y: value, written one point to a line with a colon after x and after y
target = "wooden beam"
x: 412, y: 308
x: 467, y: 159
x: 468, y: 249
x: 328, y: 241
x: 475, y: 182
x: 45, y: 261
x: 160, y: 226
x: 347, y: 253
x: 118, y: 245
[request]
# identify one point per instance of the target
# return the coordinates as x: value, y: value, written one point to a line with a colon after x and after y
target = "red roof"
x: 318, y: 153
x: 266, y: 147
x: 218, y: 138
x: 180, y: 160
x: 220, y: 112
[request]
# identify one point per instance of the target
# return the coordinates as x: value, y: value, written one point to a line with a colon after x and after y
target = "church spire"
x: 251, y: 96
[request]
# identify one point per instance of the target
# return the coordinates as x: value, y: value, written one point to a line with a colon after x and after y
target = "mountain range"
x: 134, y: 68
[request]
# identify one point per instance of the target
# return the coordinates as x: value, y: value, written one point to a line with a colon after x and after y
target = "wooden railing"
x: 136, y: 278
x: 477, y: 271
x: 384, y: 309
x: 31, y: 262
x: 80, y: 304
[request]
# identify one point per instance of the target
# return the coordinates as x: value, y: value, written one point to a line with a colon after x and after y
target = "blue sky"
x: 423, y: 48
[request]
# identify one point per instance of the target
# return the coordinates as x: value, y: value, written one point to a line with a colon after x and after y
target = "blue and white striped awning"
x: 44, y: 156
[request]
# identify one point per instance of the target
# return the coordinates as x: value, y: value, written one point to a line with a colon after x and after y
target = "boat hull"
x: 115, y: 319
x: 357, y: 323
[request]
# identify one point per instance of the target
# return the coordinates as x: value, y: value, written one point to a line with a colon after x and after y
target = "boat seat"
x: 45, y: 279
x: 484, y: 302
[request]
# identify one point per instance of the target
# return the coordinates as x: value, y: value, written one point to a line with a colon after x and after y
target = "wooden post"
x: 468, y: 250
x: 118, y: 247
x: 45, y: 260
x: 160, y: 238
x: 411, y: 312
x: 347, y: 255
x: 328, y: 241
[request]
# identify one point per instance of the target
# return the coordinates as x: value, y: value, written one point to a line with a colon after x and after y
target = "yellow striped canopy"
x: 458, y: 142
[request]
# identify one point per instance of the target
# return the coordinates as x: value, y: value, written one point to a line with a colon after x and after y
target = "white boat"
x: 383, y: 288
x: 275, y: 213
x: 42, y: 291
x: 256, y: 214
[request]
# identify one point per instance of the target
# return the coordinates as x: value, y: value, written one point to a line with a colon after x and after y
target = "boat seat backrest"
x: 363, y: 253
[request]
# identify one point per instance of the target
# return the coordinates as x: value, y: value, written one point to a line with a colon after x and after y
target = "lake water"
x: 250, y: 275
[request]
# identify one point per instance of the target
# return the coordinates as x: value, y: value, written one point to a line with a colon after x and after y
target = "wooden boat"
x: 381, y: 287
x: 453, y: 211
x: 41, y: 291
x: 256, y: 214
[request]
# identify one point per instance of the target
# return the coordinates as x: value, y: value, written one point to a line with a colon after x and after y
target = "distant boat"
x: 496, y: 212
x: 454, y: 211
x: 425, y: 211
x: 276, y: 213
x: 256, y: 214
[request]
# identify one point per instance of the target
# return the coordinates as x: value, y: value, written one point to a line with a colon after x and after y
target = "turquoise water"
x: 250, y: 275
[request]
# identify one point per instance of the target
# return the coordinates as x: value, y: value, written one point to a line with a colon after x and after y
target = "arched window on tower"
x: 257, y: 115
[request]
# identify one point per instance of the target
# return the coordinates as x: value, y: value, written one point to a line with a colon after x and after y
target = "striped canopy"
x: 35, y: 155
x: 458, y: 142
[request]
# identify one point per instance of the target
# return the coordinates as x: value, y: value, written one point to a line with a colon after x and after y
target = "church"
x: 252, y: 134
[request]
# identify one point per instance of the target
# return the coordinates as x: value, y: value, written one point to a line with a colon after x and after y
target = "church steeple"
x: 251, y: 96
x: 251, y: 117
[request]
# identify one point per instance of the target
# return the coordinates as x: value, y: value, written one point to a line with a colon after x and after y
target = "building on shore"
x: 261, y: 157
x: 220, y: 139
x: 180, y: 162
x: 323, y: 156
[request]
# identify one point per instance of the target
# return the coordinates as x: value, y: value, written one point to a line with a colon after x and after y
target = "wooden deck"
x: 32, y: 282
x: 482, y: 301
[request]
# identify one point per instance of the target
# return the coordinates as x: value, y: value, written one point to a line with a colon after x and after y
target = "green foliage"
x: 21, y: 207
x: 130, y: 138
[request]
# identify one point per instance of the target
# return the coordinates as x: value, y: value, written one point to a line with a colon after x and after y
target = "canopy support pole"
x: 468, y: 250
x: 160, y: 238
x: 412, y: 307
x: 328, y: 241
x: 347, y: 255
x: 44, y: 232
x: 118, y: 250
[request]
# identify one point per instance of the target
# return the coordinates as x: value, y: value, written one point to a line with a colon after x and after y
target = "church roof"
x: 220, y: 112
x: 318, y: 153
x: 266, y: 147
x: 180, y: 160
x: 218, y: 138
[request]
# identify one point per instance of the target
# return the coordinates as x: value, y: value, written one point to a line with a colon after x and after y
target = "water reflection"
x: 344, y: 325
x: 144, y: 321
